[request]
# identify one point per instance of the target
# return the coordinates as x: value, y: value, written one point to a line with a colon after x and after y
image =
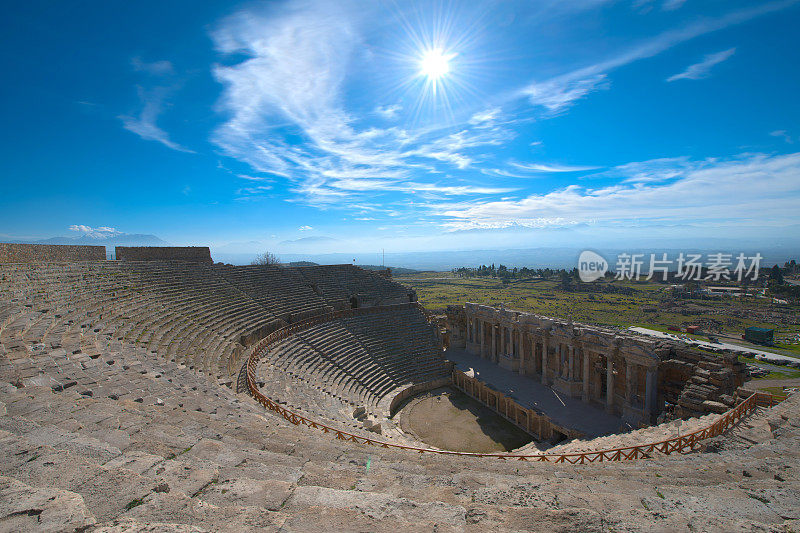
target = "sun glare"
x: 435, y: 63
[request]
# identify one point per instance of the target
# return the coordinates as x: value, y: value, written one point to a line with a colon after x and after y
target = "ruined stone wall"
x: 533, y: 422
x: 194, y: 254
x: 698, y: 382
x: 38, y: 253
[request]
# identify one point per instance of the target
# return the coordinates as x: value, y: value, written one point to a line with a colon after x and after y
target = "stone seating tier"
x: 202, y: 315
x: 358, y: 360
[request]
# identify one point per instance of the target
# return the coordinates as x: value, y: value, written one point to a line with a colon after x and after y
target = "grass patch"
x: 134, y: 503
x: 781, y: 375
x: 615, y: 303
x: 776, y: 391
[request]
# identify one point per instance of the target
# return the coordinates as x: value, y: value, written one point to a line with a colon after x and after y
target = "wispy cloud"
x: 487, y: 117
x: 95, y: 233
x: 667, y: 5
x: 299, y: 128
x: 153, y: 101
x: 558, y: 93
x: 144, y: 124
x: 256, y: 192
x: 253, y: 178
x: 783, y: 134
x: 270, y: 101
x: 540, y: 167
x: 703, y: 68
x: 671, y: 5
x: 388, y: 111
x: 751, y: 187
x: 155, y: 68
x: 305, y: 228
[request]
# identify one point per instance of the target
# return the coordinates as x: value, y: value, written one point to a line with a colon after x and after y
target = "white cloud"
x: 560, y: 92
x: 645, y: 6
x: 487, y: 117
x: 96, y: 233
x: 305, y: 228
x: 253, y: 178
x: 258, y: 191
x: 540, y: 167
x: 457, y: 190
x: 156, y: 68
x: 503, y: 173
x: 671, y: 5
x: 751, y: 187
x: 271, y: 93
x: 703, y: 68
x: 651, y: 171
x: 389, y: 111
x: 144, y: 124
x: 783, y: 134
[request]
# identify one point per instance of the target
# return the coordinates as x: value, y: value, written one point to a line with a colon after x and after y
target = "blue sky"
x: 310, y: 126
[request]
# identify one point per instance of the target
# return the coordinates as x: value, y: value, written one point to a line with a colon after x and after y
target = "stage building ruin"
x: 626, y: 374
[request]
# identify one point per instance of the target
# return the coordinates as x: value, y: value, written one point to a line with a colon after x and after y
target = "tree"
x: 267, y: 258
x: 776, y: 275
x: 566, y: 281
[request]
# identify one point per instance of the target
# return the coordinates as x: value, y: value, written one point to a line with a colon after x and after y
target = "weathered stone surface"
x: 129, y: 525
x: 26, y: 508
x: 268, y: 494
x: 377, y: 505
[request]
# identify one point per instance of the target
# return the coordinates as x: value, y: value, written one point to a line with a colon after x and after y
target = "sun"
x: 435, y: 64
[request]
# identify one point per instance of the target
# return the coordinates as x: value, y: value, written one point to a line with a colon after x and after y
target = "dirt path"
x: 763, y: 383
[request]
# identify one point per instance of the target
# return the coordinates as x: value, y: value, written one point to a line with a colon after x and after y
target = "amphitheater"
x: 164, y: 392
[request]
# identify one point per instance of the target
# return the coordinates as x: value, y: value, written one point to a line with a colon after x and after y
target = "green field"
x: 615, y: 303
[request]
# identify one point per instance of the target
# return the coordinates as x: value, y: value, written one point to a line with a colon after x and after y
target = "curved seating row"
x: 200, y: 315
x: 359, y: 361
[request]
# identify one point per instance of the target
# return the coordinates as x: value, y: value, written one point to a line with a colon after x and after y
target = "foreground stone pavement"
x: 193, y: 456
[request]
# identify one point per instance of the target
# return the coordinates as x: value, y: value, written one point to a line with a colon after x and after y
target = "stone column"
x: 586, y: 370
x: 609, y: 384
x: 481, y: 332
x: 544, y: 360
x: 533, y: 350
x: 557, y: 369
x: 522, y: 335
x: 630, y: 383
x: 571, y: 362
x: 494, y: 342
x: 514, y: 342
